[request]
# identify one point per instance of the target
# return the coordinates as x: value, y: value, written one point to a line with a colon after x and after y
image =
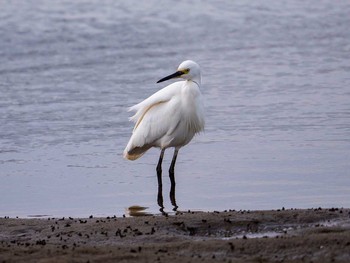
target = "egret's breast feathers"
x: 192, y: 108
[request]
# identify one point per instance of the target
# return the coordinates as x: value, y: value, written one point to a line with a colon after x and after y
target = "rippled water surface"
x: 276, y: 82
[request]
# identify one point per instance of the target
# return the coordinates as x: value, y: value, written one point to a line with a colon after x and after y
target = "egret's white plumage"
x: 169, y: 117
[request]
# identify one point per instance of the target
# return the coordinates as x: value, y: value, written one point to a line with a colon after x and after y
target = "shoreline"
x: 319, y: 235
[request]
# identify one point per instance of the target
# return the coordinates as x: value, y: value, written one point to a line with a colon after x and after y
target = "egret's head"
x: 188, y: 69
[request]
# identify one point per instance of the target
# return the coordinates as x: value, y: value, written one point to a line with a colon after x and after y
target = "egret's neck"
x: 197, y: 81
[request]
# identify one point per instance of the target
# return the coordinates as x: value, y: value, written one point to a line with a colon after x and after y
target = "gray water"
x: 276, y: 83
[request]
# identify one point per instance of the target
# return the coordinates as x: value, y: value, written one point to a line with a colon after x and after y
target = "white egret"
x: 169, y: 117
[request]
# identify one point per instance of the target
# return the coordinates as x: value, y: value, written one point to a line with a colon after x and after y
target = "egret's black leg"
x: 172, y: 180
x: 159, y: 176
x: 160, y: 196
x: 172, y: 196
x: 172, y: 166
x: 159, y: 166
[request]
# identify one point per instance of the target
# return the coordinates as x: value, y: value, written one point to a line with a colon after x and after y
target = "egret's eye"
x: 185, y: 71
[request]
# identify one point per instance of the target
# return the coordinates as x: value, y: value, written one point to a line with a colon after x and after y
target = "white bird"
x: 169, y: 117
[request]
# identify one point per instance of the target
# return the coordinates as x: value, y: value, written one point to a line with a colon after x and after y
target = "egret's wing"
x: 160, y: 119
x: 155, y: 124
x: 160, y: 96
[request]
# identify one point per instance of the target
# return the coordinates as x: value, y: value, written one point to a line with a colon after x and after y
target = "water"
x: 275, y: 79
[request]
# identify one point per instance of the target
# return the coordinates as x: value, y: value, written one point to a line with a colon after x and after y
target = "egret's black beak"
x: 174, y: 75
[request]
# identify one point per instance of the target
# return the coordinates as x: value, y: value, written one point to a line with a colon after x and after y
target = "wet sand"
x: 312, y: 235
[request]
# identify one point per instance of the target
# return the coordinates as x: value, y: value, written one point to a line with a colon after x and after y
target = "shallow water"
x: 276, y: 86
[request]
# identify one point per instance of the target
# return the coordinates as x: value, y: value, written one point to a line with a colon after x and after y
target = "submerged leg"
x: 172, y: 180
x: 159, y: 176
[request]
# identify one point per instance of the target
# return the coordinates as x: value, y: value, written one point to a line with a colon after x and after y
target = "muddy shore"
x: 311, y: 235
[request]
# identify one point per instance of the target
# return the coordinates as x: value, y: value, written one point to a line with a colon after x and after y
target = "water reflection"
x: 276, y: 90
x: 136, y: 210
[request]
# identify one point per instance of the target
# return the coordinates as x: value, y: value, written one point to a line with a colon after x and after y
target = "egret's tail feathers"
x: 132, y: 157
x: 135, y: 153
